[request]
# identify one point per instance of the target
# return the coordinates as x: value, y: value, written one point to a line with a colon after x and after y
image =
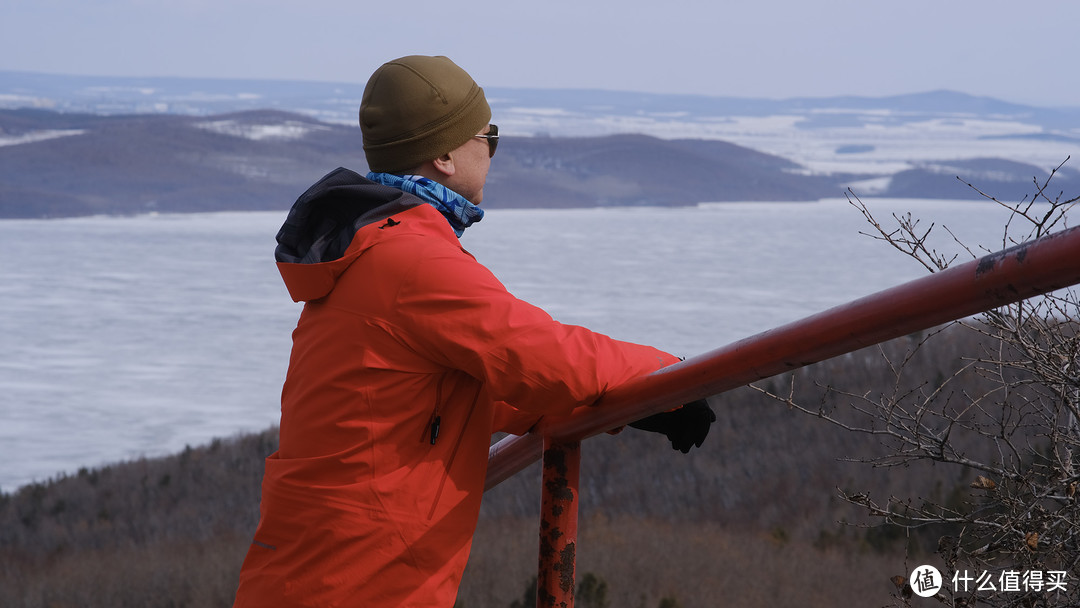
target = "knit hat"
x: 417, y: 108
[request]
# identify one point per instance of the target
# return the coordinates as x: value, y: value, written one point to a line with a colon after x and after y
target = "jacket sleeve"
x: 509, y: 419
x: 459, y: 315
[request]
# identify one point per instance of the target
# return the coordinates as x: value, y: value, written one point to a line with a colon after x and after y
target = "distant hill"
x: 58, y: 164
x: 643, y: 170
x: 251, y: 144
x: 133, y: 164
x: 338, y: 101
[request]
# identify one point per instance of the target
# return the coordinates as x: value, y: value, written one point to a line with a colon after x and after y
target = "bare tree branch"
x: 1007, y: 418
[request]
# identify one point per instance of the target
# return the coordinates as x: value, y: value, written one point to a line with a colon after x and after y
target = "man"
x: 408, y: 355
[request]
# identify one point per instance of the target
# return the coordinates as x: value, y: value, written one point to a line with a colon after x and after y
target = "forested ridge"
x: 753, y: 517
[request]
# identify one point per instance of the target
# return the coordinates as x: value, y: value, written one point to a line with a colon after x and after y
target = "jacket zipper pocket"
x: 453, y: 453
x: 435, y: 422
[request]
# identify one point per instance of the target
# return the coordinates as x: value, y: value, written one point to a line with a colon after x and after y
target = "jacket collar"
x: 336, y: 220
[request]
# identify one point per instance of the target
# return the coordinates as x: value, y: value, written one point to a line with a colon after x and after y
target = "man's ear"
x: 444, y: 164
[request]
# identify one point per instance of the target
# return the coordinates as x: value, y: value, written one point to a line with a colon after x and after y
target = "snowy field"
x: 134, y: 336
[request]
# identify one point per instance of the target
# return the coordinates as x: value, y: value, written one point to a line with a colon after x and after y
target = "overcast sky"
x: 1012, y: 50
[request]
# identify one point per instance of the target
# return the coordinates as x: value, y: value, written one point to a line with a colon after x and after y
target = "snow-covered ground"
x: 281, y: 131
x: 873, y: 143
x: 35, y: 136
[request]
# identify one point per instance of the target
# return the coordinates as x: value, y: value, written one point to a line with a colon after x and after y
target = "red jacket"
x: 405, y: 359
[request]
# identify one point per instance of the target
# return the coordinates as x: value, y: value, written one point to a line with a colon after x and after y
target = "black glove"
x: 686, y: 427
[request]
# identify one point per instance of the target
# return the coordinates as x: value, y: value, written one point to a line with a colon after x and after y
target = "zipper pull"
x: 435, y: 428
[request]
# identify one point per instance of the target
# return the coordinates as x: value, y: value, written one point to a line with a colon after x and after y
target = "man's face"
x: 471, y: 162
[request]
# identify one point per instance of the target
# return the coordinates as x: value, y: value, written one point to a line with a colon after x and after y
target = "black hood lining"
x: 323, y: 221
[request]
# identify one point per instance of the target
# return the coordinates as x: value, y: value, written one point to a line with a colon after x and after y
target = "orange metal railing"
x: 1026, y: 270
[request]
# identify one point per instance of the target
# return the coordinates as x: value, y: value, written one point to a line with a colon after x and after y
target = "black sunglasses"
x: 492, y: 137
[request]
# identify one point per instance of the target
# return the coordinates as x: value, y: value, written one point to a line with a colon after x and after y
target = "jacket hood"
x: 316, y: 242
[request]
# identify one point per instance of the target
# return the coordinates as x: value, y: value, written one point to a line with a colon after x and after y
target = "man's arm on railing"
x: 1011, y: 275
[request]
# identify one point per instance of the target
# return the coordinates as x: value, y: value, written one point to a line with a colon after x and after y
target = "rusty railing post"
x: 558, y: 524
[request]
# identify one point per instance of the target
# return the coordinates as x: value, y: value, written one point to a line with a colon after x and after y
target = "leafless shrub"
x: 1007, y: 418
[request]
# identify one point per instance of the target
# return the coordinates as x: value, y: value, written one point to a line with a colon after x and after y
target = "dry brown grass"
x: 699, y: 564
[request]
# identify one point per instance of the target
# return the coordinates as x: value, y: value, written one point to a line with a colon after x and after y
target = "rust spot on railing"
x: 558, y: 525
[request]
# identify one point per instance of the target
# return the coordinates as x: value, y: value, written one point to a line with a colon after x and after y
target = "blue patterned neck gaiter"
x: 459, y: 212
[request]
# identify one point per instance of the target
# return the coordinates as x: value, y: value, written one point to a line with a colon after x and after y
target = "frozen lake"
x: 135, y: 336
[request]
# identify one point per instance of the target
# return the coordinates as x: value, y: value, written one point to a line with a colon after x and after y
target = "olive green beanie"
x: 416, y: 109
